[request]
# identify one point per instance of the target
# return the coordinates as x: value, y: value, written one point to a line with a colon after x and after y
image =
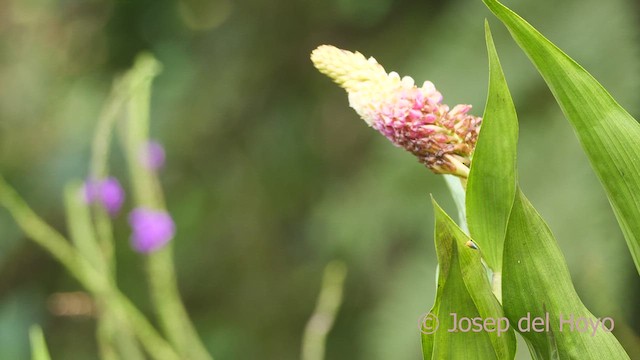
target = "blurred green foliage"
x: 271, y: 175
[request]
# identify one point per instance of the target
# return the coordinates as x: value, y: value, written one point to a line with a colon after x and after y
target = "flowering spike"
x: 107, y: 192
x: 410, y: 117
x: 152, y: 229
x: 152, y: 155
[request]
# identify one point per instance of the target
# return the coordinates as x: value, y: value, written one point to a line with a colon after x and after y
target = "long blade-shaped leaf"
x: 536, y: 280
x: 464, y: 292
x: 492, y: 182
x: 608, y: 134
x: 536, y: 284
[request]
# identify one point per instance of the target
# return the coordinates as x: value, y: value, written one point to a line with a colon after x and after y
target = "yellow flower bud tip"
x: 413, y: 118
x: 348, y: 69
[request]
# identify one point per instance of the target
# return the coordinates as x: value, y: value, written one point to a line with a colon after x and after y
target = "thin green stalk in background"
x: 105, y: 336
x: 329, y: 301
x: 110, y: 329
x: 84, y: 238
x: 100, y: 160
x: 98, y: 284
x: 81, y: 230
x: 39, y: 349
x: 458, y: 193
x: 147, y: 193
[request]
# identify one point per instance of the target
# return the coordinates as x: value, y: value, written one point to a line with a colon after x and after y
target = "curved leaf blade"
x: 463, y: 290
x: 537, y: 284
x: 608, y: 134
x: 536, y: 280
x: 492, y: 181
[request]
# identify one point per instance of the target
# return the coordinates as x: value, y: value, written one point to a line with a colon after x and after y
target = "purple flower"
x: 152, y: 155
x: 152, y: 229
x: 107, y: 192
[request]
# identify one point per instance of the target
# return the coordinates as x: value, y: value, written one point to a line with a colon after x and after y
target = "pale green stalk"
x: 147, y: 193
x: 457, y: 189
x: 100, y: 160
x: 458, y: 193
x: 110, y: 330
x: 98, y: 284
x: 83, y: 237
x: 81, y: 230
x: 329, y: 301
x: 105, y: 337
x: 39, y: 349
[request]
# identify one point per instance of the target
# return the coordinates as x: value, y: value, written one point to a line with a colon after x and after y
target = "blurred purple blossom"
x: 107, y: 192
x: 152, y: 155
x: 152, y: 229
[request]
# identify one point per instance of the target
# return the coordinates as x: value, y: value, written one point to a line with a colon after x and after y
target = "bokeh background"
x: 271, y: 175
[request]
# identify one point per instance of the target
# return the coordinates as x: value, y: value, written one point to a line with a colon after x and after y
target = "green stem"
x: 104, y: 335
x: 115, y: 338
x: 457, y: 187
x: 81, y: 229
x: 329, y: 301
x: 98, y: 284
x: 147, y: 192
x: 39, y: 349
x: 173, y: 316
x: 114, y: 106
x: 100, y: 162
x: 110, y: 331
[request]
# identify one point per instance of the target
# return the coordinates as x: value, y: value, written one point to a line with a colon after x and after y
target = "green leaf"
x: 536, y: 284
x: 463, y: 290
x: 535, y: 280
x: 492, y: 181
x: 608, y: 134
x: 39, y: 349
